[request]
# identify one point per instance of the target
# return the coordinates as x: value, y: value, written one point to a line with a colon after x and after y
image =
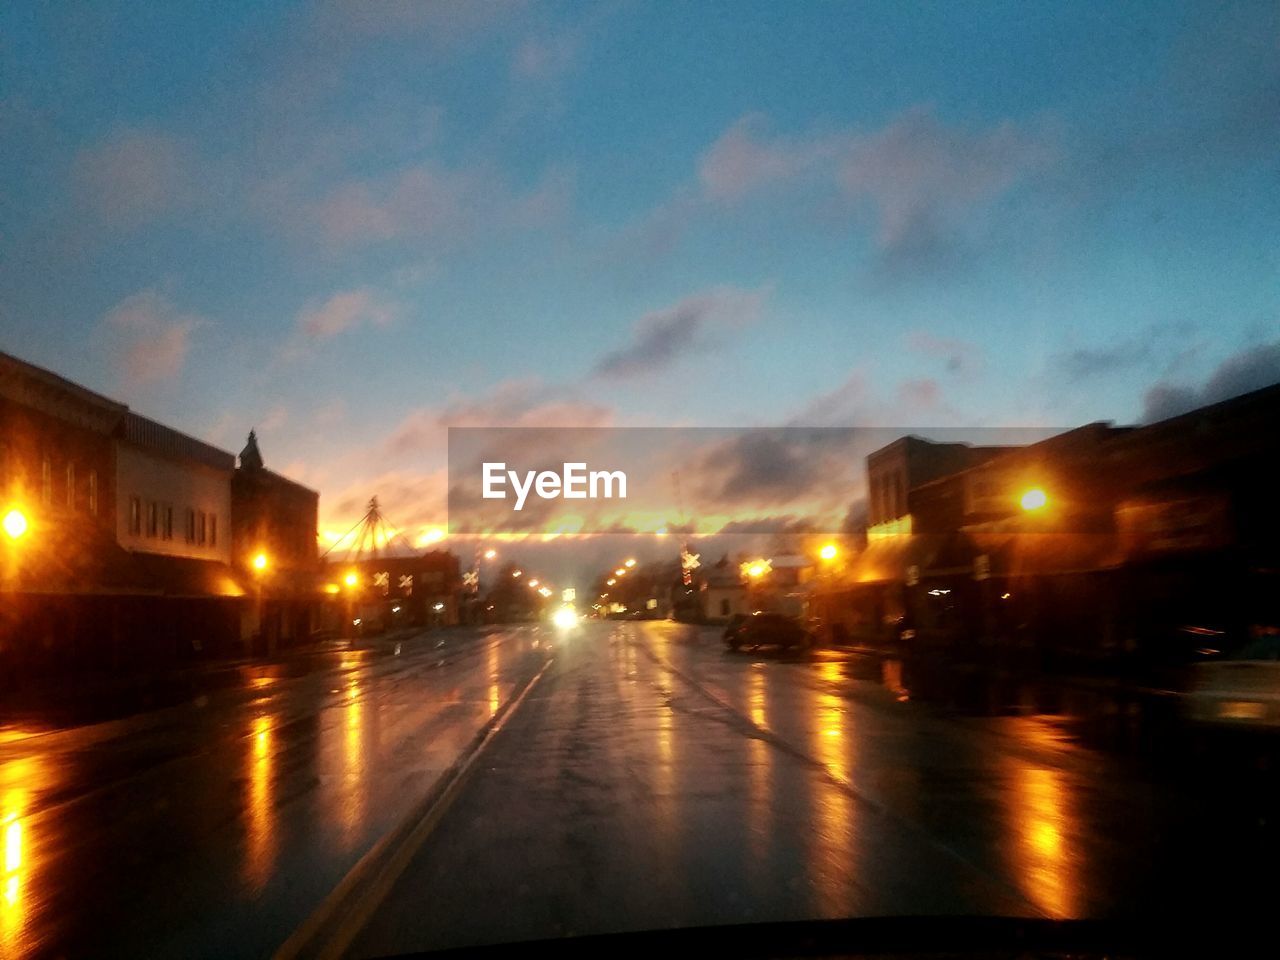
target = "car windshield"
x: 728, y: 477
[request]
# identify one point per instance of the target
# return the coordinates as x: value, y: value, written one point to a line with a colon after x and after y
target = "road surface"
x: 648, y: 779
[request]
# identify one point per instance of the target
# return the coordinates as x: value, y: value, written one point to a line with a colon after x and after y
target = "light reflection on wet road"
x: 216, y: 827
x: 654, y: 780
x: 651, y: 779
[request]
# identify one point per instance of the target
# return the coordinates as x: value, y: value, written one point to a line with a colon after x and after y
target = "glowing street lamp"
x: 610, y: 582
x: 490, y: 553
x: 15, y: 524
x: 630, y: 563
x: 1034, y: 499
x: 260, y: 562
x: 517, y: 573
x: 828, y: 551
x: 620, y: 572
x: 533, y: 583
x: 351, y: 579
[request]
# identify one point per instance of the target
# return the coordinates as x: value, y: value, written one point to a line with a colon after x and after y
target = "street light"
x: 533, y: 583
x: 517, y: 573
x: 620, y: 572
x: 351, y: 579
x: 630, y: 563
x: 1034, y: 499
x: 828, y: 551
x: 15, y: 524
x: 259, y: 564
x: 490, y: 553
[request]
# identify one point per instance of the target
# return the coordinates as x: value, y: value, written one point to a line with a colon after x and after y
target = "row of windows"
x: 68, y: 494
x: 156, y: 522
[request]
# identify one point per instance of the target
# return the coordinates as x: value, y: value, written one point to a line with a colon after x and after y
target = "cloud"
x: 343, y: 312
x: 149, y: 338
x: 661, y: 336
x: 854, y: 402
x: 741, y: 160
x: 512, y: 403
x: 842, y: 405
x: 930, y: 187
x: 421, y: 202
x: 542, y: 58
x: 919, y: 395
x: 133, y: 178
x: 928, y: 181
x: 408, y: 498
x: 1250, y: 369
x: 762, y: 466
x: 444, y: 23
x: 960, y: 356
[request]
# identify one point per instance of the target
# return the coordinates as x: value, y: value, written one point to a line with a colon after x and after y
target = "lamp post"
x: 260, y: 563
x: 351, y: 581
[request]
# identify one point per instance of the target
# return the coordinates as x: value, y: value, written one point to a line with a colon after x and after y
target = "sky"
x: 351, y: 225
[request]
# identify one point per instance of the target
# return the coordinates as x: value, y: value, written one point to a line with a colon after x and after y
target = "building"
x: 173, y: 513
x: 63, y: 570
x: 1144, y: 545
x: 387, y: 592
x: 119, y: 544
x: 273, y: 547
x: 724, y: 592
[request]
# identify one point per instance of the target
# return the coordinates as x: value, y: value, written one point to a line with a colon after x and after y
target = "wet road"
x: 213, y: 828
x: 649, y: 779
x: 652, y: 780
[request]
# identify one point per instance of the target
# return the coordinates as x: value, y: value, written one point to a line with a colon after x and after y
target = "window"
x: 153, y: 518
x: 191, y: 525
x: 204, y: 527
x: 71, y: 485
x: 93, y: 492
x: 168, y: 521
x: 213, y: 529
x: 46, y: 480
x: 135, y: 516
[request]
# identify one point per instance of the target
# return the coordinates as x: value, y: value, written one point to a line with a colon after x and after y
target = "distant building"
x: 724, y: 593
x: 275, y: 519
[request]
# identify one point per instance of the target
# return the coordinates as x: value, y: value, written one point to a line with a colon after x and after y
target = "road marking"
x: 335, y: 924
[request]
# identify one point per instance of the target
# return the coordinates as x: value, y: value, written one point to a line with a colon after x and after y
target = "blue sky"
x: 352, y: 224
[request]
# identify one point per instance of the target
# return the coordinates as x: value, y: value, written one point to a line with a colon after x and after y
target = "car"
x: 731, y: 628
x: 773, y: 629
x: 1240, y: 691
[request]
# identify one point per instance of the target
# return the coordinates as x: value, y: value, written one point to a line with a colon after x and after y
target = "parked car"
x: 774, y: 629
x: 1240, y: 691
x: 731, y: 628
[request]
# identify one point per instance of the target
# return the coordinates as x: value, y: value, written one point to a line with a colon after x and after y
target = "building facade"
x: 273, y: 547
x: 120, y: 545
